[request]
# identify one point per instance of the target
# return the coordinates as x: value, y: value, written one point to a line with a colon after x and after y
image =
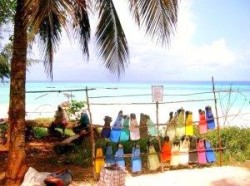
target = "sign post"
x: 157, y: 96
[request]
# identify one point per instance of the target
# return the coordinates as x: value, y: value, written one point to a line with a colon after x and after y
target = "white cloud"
x: 215, y: 53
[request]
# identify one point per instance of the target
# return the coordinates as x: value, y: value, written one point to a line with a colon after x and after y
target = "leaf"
x: 111, y: 40
x: 158, y: 17
x: 81, y: 24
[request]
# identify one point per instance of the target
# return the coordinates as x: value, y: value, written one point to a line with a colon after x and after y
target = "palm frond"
x: 47, y: 18
x: 159, y: 18
x: 4, y: 67
x: 111, y: 40
x: 133, y: 7
x: 5, y: 57
x: 49, y: 35
x: 81, y: 24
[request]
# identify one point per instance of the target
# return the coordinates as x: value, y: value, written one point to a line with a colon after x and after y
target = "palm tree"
x: 45, y: 20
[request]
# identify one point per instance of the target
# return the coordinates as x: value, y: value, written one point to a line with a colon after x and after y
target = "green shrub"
x: 236, y: 141
x: 3, y: 127
x: 74, y: 107
x: 40, y: 132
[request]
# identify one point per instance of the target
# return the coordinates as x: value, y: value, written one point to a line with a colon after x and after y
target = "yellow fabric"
x: 189, y: 125
x: 180, y: 129
x: 99, y: 160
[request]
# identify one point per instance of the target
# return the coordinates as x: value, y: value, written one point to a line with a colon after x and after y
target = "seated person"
x: 83, y: 124
x: 60, y: 120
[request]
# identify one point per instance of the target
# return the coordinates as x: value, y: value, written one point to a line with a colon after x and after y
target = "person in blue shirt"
x: 83, y: 124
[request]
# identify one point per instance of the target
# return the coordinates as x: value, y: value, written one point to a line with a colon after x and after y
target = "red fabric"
x: 54, y: 181
x: 166, y: 152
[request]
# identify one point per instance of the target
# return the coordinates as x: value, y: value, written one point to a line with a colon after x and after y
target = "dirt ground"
x: 41, y: 156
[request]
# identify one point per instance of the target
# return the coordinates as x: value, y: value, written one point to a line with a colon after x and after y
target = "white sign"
x: 157, y: 93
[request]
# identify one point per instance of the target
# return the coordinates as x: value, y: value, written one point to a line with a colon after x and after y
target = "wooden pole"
x: 92, y: 141
x: 218, y: 123
x: 157, y: 124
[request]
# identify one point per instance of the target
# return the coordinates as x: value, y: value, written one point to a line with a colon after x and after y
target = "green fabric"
x: 152, y: 130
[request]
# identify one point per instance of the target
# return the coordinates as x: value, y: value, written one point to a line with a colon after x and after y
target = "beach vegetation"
x: 236, y: 142
x: 75, y: 107
x: 7, y: 11
x: 5, y: 56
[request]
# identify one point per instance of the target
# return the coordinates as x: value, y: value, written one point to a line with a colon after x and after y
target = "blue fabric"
x: 210, y: 119
x: 118, y: 122
x: 115, y: 134
x: 209, y: 152
x: 119, y: 157
x: 109, y: 157
x: 106, y: 132
x: 136, y: 160
x: 116, y: 128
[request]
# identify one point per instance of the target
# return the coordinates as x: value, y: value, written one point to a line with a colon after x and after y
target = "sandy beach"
x: 214, y: 176
x: 210, y: 176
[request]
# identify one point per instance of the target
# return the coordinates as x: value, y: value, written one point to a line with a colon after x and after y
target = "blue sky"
x: 212, y: 39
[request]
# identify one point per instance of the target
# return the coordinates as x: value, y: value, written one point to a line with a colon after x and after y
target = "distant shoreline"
x: 148, y: 82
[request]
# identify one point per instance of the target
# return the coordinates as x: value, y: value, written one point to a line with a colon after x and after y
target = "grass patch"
x: 40, y: 132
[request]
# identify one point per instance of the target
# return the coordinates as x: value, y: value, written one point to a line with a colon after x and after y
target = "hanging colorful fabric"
x: 136, y: 159
x: 171, y: 127
x: 143, y: 126
x: 175, y: 153
x: 166, y: 150
x: 109, y: 157
x: 119, y: 157
x: 153, y: 159
x: 210, y: 118
x: 202, y: 122
x: 125, y: 130
x: 193, y: 157
x: 201, y: 151
x: 134, y: 128
x: 189, y: 123
x: 209, y: 152
x: 180, y: 128
x: 116, y: 128
x: 152, y: 129
x: 184, y: 151
x: 99, y: 160
x: 105, y: 133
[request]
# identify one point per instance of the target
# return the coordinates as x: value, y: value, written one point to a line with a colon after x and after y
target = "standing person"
x: 59, y: 121
x: 83, y: 124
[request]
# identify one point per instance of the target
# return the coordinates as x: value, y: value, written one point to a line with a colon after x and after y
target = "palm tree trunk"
x: 16, y: 165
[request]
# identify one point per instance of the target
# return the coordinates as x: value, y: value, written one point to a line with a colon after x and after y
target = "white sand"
x: 212, y: 176
x: 216, y: 176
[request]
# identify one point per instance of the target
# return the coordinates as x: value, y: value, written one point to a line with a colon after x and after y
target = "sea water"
x: 42, y: 99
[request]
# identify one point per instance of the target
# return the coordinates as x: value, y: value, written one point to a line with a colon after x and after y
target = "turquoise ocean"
x: 233, y: 99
